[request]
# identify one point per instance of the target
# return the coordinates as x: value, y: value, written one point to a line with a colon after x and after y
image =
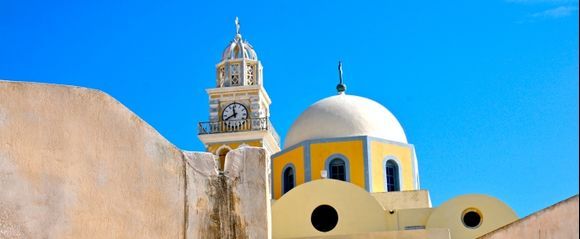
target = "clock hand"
x: 229, y: 117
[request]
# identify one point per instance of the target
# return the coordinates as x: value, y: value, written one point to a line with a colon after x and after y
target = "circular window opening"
x: 324, y: 218
x: 471, y: 218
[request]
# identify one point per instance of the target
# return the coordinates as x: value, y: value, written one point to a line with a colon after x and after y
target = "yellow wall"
x: 379, y: 152
x: 415, y: 217
x: 233, y: 145
x: 403, y: 199
x: 294, y: 156
x: 438, y: 233
x: 352, y: 150
x: 358, y: 211
x: 494, y: 214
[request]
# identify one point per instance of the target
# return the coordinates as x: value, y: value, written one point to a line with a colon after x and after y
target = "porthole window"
x: 471, y: 218
x: 324, y: 218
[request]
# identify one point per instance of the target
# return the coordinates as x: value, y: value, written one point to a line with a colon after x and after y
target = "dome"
x: 343, y: 116
x: 238, y: 49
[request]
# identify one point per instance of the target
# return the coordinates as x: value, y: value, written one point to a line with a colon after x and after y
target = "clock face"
x: 234, y: 114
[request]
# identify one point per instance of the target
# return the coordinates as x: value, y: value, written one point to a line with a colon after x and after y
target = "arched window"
x: 288, y: 180
x: 392, y: 176
x: 337, y: 169
x: 222, y: 157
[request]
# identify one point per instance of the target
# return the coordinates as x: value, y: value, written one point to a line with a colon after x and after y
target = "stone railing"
x: 230, y: 126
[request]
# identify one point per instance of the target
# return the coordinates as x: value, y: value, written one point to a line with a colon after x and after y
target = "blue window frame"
x: 392, y: 176
x: 288, y: 179
x: 337, y: 169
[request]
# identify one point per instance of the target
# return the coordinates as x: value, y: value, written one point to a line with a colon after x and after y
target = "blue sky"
x: 487, y: 91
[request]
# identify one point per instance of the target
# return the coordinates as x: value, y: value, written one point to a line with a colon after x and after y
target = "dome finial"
x: 341, y: 87
x: 237, y: 21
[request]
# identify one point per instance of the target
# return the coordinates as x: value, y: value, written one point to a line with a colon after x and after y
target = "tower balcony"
x: 232, y: 126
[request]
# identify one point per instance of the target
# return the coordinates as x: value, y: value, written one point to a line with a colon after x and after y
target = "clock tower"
x: 239, y: 107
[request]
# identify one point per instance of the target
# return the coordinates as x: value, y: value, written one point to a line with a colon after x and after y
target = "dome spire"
x: 239, y: 65
x: 238, y: 35
x: 341, y: 87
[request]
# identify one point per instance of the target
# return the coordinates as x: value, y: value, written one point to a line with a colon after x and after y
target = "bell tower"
x: 239, y: 106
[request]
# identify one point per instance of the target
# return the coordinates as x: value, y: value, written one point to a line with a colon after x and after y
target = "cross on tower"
x: 237, y: 21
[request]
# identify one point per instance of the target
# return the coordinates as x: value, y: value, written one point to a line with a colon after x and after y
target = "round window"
x: 324, y: 218
x: 471, y: 218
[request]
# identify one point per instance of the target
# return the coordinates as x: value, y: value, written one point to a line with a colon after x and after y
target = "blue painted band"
x: 307, y: 164
x: 341, y: 157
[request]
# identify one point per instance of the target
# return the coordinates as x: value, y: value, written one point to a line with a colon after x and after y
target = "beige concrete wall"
x: 412, y: 218
x: 403, y: 199
x: 411, y: 234
x: 75, y: 163
x: 557, y: 221
x: 405, y: 208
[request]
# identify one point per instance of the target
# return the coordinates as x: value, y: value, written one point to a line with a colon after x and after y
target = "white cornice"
x: 234, y: 89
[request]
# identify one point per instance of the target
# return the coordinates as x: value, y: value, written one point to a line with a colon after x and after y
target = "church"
x: 369, y: 172
x: 77, y: 163
x: 346, y: 167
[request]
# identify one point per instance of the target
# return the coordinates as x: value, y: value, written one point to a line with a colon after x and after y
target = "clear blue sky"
x: 487, y: 91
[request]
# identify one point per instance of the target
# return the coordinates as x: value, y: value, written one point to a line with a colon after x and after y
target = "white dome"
x: 238, y: 49
x: 342, y: 116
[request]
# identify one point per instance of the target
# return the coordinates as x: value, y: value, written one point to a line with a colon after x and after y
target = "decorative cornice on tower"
x: 239, y: 65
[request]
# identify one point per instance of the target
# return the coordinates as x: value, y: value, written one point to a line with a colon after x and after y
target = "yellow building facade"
x: 365, y: 159
x: 350, y: 138
x: 355, y: 213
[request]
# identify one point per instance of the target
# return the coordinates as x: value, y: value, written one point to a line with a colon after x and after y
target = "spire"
x: 341, y: 87
x: 238, y: 35
x: 239, y: 65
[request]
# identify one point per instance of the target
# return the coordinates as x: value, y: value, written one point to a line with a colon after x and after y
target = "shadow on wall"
x: 76, y: 163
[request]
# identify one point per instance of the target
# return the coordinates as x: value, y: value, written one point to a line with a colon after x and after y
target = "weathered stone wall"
x: 75, y: 163
x: 232, y: 204
x: 557, y: 221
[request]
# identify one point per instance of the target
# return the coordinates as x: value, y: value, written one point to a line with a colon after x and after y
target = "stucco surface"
x: 75, y: 163
x: 358, y: 211
x: 232, y: 204
x: 411, y: 234
x: 403, y: 199
x: 557, y: 221
x: 343, y: 116
x: 494, y: 214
